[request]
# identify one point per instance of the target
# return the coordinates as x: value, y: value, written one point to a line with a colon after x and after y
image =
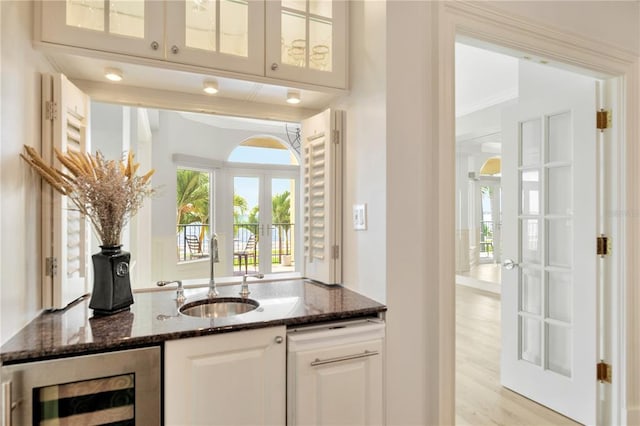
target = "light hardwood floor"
x: 480, y: 400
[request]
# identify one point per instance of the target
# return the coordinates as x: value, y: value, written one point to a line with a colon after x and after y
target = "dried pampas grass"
x: 108, y: 192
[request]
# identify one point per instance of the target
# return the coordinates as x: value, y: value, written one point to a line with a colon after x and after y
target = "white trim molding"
x: 484, y: 24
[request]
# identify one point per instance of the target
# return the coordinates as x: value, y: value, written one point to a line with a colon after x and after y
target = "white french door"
x: 549, y: 302
x: 264, y: 225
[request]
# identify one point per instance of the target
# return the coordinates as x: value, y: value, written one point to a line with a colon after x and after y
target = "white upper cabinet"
x: 132, y: 27
x: 306, y: 41
x: 222, y: 34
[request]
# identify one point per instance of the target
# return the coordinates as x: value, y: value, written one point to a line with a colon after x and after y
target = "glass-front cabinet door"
x: 306, y: 41
x: 222, y: 34
x: 123, y: 26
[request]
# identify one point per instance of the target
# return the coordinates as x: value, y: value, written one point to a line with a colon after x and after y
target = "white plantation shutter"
x: 322, y: 153
x: 65, y: 231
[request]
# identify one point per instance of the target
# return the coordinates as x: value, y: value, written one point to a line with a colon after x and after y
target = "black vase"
x: 111, y: 284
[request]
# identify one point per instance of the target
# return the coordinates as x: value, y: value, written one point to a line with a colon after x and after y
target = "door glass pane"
x: 486, y: 224
x: 88, y: 14
x: 321, y: 7
x: 320, y: 42
x: 300, y: 5
x: 530, y: 291
x: 282, y: 225
x: 559, y: 349
x: 530, y: 340
x: 126, y: 17
x: 559, y: 137
x: 530, y: 146
x: 246, y: 228
x: 192, y: 221
x: 559, y: 242
x: 559, y: 296
x: 293, y: 39
x: 234, y: 23
x: 559, y: 190
x: 530, y: 244
x: 200, y: 24
x: 530, y: 184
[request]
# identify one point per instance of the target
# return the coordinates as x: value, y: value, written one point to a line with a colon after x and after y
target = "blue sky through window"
x: 252, y: 154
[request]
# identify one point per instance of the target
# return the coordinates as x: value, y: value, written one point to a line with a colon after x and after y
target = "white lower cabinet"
x: 235, y: 378
x: 335, y: 375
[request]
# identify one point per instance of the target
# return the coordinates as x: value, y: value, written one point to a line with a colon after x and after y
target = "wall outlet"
x: 359, y: 217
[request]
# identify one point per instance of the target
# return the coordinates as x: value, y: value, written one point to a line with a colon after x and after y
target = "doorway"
x: 264, y: 220
x: 544, y: 193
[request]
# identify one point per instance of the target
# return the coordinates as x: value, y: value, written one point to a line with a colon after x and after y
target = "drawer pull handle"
x: 319, y: 361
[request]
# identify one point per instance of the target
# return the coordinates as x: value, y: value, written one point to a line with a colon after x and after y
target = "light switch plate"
x: 359, y: 217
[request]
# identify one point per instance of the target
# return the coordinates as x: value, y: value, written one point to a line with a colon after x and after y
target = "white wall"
x: 613, y: 22
x: 364, y: 268
x: 20, y: 296
x: 413, y: 387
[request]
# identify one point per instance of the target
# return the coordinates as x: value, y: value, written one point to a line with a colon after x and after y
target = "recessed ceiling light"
x: 293, y: 96
x: 113, y: 74
x: 210, y: 87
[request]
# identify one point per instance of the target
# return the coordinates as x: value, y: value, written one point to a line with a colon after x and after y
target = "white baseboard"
x: 480, y: 285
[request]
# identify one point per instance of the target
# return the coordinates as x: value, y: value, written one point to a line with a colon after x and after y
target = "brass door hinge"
x: 51, y: 266
x: 603, y: 372
x: 602, y: 246
x: 335, y: 136
x: 50, y: 110
x: 603, y: 119
x: 336, y: 252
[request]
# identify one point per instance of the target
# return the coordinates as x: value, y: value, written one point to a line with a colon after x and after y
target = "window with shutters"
x: 322, y: 212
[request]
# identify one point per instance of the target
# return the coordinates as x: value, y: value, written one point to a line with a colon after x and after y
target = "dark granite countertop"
x: 154, y: 318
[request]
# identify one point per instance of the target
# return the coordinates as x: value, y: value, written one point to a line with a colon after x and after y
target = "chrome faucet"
x: 180, y: 292
x: 244, y: 290
x: 213, y: 259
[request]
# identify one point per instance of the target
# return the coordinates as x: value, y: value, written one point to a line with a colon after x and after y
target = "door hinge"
x: 603, y: 372
x: 51, y: 266
x: 602, y: 246
x: 336, y: 252
x: 335, y: 136
x: 50, y: 110
x: 603, y: 119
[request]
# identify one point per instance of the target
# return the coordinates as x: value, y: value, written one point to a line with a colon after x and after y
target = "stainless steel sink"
x: 219, y: 307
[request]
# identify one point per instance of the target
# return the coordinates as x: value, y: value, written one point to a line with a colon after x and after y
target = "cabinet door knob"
x: 274, y: 66
x: 174, y: 49
x: 155, y: 45
x: 279, y: 339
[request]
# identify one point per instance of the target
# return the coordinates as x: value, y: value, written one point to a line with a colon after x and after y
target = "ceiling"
x: 483, y: 78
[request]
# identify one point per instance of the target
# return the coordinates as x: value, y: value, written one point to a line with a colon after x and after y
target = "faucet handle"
x: 244, y: 290
x: 180, y: 298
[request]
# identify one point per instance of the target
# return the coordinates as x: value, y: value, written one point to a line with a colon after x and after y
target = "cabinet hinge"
x: 602, y: 246
x: 50, y: 110
x: 603, y: 372
x: 603, y: 119
x: 335, y: 136
x: 336, y: 252
x: 51, y: 266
